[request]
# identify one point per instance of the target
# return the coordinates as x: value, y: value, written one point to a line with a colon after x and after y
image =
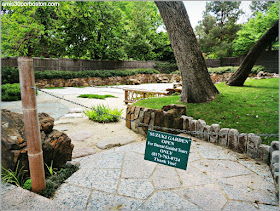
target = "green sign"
x: 167, y: 149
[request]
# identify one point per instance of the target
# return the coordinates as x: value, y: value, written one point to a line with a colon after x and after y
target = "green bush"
x: 230, y: 69
x: 166, y: 67
x: 91, y: 73
x: 258, y: 68
x: 101, y: 113
x: 10, y: 75
x: 10, y: 92
x: 221, y: 70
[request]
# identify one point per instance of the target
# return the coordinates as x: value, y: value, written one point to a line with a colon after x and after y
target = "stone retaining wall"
x: 174, y: 116
x: 117, y: 80
x: 97, y: 81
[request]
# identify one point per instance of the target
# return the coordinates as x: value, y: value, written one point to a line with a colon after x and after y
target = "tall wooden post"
x: 31, y: 124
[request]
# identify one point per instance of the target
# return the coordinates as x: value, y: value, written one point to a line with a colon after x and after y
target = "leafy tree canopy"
x: 260, y: 6
x: 254, y: 29
x: 87, y: 30
x: 218, y: 28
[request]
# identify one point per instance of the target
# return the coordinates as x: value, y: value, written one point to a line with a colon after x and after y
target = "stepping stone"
x: 107, y: 201
x: 73, y: 115
x: 110, y: 142
x: 136, y: 188
x: 81, y: 135
x: 72, y: 196
x: 61, y: 128
x: 81, y: 152
x: 167, y: 200
x: 75, y: 110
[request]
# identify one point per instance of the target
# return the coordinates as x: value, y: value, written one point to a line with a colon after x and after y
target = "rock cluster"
x: 115, y: 80
x: 174, y: 116
x: 131, y: 80
x: 264, y: 75
x: 56, y: 145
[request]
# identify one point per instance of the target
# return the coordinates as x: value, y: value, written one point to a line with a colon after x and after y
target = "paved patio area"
x: 120, y: 178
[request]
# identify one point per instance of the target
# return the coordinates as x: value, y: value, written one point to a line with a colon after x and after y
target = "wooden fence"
x: 268, y: 59
x: 78, y: 64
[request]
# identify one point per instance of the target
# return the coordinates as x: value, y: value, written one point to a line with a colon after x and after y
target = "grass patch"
x: 252, y: 108
x: 95, y: 96
x: 55, y: 87
x: 101, y: 114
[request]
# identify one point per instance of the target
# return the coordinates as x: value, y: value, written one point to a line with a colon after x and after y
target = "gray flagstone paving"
x: 120, y: 179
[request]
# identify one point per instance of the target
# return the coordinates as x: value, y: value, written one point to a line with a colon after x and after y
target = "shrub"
x: 103, y: 114
x: 91, y: 73
x: 53, y: 182
x: 258, y: 68
x: 10, y: 75
x: 16, y: 177
x: 10, y: 92
x: 166, y: 67
x: 95, y: 96
x: 230, y: 69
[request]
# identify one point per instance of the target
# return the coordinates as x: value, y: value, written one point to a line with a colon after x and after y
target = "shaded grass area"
x: 252, y: 108
x: 95, y: 96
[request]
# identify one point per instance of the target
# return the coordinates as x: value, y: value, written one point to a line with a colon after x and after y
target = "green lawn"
x: 249, y: 109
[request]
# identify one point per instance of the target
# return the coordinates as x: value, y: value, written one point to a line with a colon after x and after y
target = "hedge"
x: 10, y: 92
x: 11, y: 75
x: 229, y: 69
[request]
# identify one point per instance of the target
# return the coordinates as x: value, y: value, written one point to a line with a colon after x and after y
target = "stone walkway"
x: 120, y: 178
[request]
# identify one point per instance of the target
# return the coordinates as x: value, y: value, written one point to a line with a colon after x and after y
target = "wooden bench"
x: 132, y: 95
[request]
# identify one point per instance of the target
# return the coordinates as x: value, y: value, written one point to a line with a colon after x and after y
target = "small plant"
x: 103, y: 114
x: 14, y: 177
x: 95, y: 96
x: 27, y: 184
x: 51, y: 170
x: 176, y: 93
x: 54, y: 182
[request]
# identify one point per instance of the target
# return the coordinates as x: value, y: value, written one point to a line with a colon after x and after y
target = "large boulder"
x: 56, y: 145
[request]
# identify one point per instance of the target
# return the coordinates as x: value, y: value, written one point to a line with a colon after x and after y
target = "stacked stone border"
x: 174, y: 116
x: 117, y: 80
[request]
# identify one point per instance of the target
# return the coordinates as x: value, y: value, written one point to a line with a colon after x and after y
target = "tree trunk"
x: 240, y: 76
x: 197, y: 84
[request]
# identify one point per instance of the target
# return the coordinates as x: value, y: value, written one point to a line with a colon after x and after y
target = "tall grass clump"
x: 103, y: 114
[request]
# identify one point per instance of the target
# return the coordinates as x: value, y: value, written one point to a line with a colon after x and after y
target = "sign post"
x: 31, y: 124
x: 167, y: 149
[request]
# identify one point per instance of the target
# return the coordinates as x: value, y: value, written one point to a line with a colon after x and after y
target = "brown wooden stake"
x: 31, y: 124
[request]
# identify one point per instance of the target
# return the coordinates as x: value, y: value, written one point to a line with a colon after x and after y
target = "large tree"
x: 254, y: 29
x: 197, y: 84
x: 261, y: 6
x: 239, y: 77
x: 218, y: 28
x: 86, y: 30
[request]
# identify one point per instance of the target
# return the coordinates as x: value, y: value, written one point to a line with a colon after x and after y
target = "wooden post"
x: 126, y: 96
x: 31, y: 124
